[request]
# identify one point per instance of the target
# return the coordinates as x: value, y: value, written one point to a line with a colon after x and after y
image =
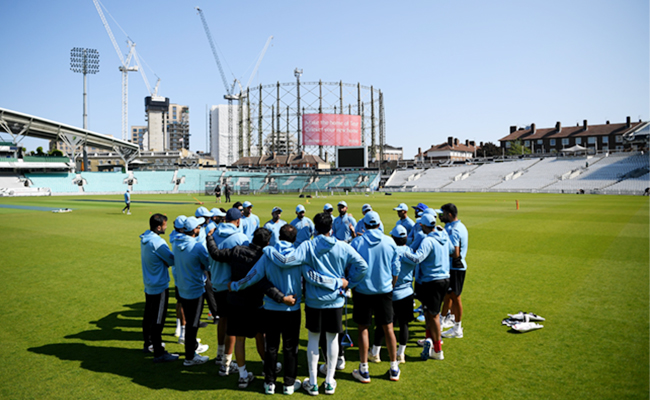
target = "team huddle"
x: 254, y: 280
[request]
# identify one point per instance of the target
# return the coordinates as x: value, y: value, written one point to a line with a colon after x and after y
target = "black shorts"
x: 403, y: 310
x: 244, y: 321
x: 221, y: 298
x: 365, y: 305
x: 432, y: 295
x: 326, y: 319
x: 456, y: 281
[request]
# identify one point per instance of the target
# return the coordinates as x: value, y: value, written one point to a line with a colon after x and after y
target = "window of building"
x: 619, y: 139
x: 527, y: 143
x: 578, y: 140
x: 507, y: 145
x: 540, y: 142
x: 591, y: 140
x: 605, y: 148
x: 619, y: 147
x: 565, y: 142
x: 605, y: 139
x: 552, y: 142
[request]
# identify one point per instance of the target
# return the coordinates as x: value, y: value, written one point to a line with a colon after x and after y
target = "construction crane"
x: 125, y: 68
x: 229, y: 89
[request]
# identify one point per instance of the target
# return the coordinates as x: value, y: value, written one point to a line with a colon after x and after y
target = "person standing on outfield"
x: 402, y: 299
x: 374, y: 294
x: 191, y: 260
x: 360, y: 229
x: 179, y: 224
x: 459, y: 237
x: 304, y: 226
x: 326, y: 261
x: 127, y: 200
x: 343, y: 225
x: 226, y: 236
x: 275, y: 224
x: 228, y: 191
x: 249, y: 221
x: 404, y: 220
x: 156, y: 258
x: 433, y: 273
x: 217, y: 194
x: 281, y: 318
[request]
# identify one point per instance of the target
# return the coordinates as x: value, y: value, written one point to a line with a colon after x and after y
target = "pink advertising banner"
x: 331, y: 130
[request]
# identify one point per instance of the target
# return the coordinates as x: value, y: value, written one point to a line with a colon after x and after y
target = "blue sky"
x: 467, y: 69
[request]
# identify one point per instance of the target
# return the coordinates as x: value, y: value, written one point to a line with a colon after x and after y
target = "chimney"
x: 584, y: 125
x: 532, y: 128
x: 472, y: 143
x: 558, y: 127
x: 456, y: 142
x: 420, y: 150
x: 467, y: 142
x: 481, y: 144
x: 513, y: 128
x: 628, y: 122
x: 607, y: 122
x: 450, y: 141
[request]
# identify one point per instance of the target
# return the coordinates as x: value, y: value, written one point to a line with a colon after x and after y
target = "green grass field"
x: 73, y: 297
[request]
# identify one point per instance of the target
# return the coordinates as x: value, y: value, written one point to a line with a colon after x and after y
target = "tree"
x: 489, y: 149
x: 517, y: 148
x: 55, y: 153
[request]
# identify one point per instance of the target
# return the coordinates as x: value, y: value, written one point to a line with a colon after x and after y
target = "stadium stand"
x: 153, y: 181
x: 56, y: 182
x: 543, y: 173
x: 436, y: 178
x: 104, y: 182
x: 488, y: 175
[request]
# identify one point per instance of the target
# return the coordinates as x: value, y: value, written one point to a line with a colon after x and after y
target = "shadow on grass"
x: 118, y: 325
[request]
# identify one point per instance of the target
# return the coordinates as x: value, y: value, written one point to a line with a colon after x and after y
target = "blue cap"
x: 366, y: 208
x: 401, y: 207
x: 300, y: 208
x: 438, y: 211
x: 217, y: 212
x: 371, y: 218
x: 343, y: 203
x: 399, y: 232
x: 247, y: 204
x: 276, y: 209
x: 328, y: 207
x: 421, y: 206
x: 428, y: 220
x: 430, y: 211
x: 202, y: 212
x: 191, y: 223
x: 179, y: 222
x: 233, y: 214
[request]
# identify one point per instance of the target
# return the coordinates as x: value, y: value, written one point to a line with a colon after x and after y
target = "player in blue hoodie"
x: 127, y: 201
x: 191, y: 260
x: 374, y: 294
x: 156, y: 258
x: 179, y: 224
x: 281, y: 319
x: 303, y: 225
x: 226, y: 236
x: 274, y: 225
x: 249, y: 221
x: 326, y: 261
x: 432, y: 258
x: 343, y: 225
x: 402, y: 299
x: 360, y: 229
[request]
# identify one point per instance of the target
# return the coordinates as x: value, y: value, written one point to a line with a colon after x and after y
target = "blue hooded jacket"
x: 360, y: 229
x: 191, y: 259
x: 380, y: 253
x: 326, y: 261
x: 432, y: 257
x: 305, y: 228
x: 226, y: 236
x: 404, y: 285
x: 156, y: 258
x: 341, y: 227
x: 249, y: 224
x: 286, y: 279
x: 274, y: 228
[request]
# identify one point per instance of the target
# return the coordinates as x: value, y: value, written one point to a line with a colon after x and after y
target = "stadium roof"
x: 19, y: 124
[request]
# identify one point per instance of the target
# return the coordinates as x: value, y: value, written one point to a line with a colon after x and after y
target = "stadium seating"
x: 435, y: 178
x: 104, y: 182
x: 543, y: 173
x: 153, y: 181
x: 488, y: 175
x: 57, y: 182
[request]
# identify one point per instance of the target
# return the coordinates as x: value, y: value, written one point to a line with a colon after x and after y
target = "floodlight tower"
x: 85, y: 61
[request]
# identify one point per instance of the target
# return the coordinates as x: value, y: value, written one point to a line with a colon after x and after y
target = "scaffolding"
x: 271, y: 116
